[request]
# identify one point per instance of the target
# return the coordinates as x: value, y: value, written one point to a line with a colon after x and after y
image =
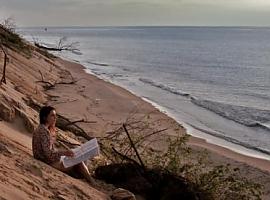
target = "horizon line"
x: 149, y: 26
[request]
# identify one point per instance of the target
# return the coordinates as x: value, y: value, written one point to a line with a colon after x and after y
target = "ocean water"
x: 214, y: 80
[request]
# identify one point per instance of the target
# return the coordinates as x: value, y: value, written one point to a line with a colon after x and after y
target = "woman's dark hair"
x: 44, y: 113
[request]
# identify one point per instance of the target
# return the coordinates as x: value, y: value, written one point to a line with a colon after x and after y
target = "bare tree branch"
x: 62, y: 123
x: 49, y: 85
x: 3, y: 79
x: 81, y: 120
x: 133, y: 146
x: 42, y: 79
x: 125, y: 157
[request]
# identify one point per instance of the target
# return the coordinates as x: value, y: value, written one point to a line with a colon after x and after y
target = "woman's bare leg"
x: 81, y: 167
x: 59, y: 165
x: 85, y: 172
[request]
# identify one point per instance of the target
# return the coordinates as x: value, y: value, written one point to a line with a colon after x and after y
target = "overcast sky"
x: 137, y: 12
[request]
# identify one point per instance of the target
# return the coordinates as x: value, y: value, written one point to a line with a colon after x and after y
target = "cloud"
x: 136, y: 12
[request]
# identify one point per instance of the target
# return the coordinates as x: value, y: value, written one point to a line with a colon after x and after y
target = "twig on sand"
x: 81, y: 120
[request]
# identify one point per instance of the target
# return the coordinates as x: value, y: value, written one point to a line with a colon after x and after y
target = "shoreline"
x: 190, y: 130
x: 211, y: 139
x: 197, y: 139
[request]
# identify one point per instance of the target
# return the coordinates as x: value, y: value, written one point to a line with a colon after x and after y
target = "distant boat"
x: 45, y: 29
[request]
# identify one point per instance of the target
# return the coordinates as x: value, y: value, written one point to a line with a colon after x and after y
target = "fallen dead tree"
x: 65, y: 124
x: 61, y: 45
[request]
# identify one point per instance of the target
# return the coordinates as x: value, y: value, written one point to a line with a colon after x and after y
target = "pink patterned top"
x: 43, y: 145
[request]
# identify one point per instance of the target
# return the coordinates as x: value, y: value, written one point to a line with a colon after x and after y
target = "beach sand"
x: 105, y: 105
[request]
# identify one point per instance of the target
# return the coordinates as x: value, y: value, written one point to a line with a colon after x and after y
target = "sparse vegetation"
x: 12, y: 40
x: 45, y: 53
x: 178, y: 162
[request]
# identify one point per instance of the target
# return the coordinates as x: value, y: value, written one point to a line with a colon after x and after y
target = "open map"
x: 84, y: 152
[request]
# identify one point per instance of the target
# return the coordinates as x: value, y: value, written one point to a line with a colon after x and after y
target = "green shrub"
x: 208, y: 181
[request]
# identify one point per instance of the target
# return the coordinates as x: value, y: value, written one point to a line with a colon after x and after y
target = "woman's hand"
x: 69, y: 153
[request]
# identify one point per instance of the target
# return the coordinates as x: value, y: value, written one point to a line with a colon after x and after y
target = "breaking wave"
x: 164, y: 87
x: 247, y: 116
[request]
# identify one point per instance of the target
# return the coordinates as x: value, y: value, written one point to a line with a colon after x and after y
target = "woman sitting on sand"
x: 43, y: 141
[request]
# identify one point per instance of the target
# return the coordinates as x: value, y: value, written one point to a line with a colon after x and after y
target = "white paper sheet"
x: 84, y: 152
